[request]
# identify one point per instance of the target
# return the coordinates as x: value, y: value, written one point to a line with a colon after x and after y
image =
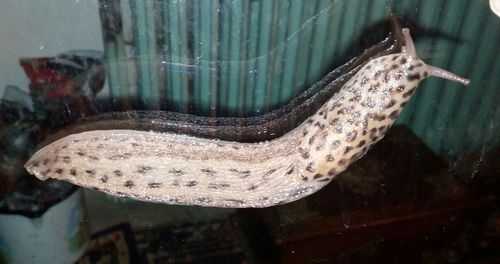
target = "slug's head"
x: 385, y: 84
x: 413, y: 62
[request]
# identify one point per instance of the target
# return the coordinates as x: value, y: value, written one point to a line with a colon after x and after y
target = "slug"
x: 181, y: 169
x: 248, y: 129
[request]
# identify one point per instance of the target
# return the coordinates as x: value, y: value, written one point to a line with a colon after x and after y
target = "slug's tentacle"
x: 179, y: 169
x: 441, y: 73
x: 409, y: 48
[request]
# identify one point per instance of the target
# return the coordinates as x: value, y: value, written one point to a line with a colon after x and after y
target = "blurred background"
x: 427, y: 193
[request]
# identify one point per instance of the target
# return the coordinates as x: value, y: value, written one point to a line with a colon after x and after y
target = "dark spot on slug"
x: 34, y: 164
x: 355, y: 99
x: 342, y: 111
x: 347, y: 149
x: 253, y: 187
x: 373, y: 133
x: 376, y: 117
x: 129, y: 184
x: 311, y: 139
x: 342, y: 162
x: 335, y: 105
x: 208, y: 172
x: 153, y: 185
x: 204, y: 200
x: 394, y: 66
x: 409, y: 92
x: 243, y: 174
x: 364, y: 81
x: 64, y: 147
x: 382, y: 129
x: 191, y: 184
x: 351, y: 136
x: 90, y: 172
x: 134, y: 144
x: 217, y: 186
x: 387, y: 77
x: 403, y: 104
x: 120, y: 156
x: 144, y: 169
x: 320, y: 125
x: 72, y: 172
x: 59, y: 171
x: 118, y: 173
x: 80, y: 152
x: 361, y: 143
x: 330, y: 157
x: 237, y: 201
x: 304, y: 133
x: 413, y: 77
x: 93, y: 157
x: 395, y: 57
x: 335, y: 144
x: 390, y: 104
x: 46, y: 161
x: 290, y: 170
x: 235, y: 147
x: 332, y: 172
x: 104, y: 178
x: 304, y: 153
x: 426, y: 74
x: 403, y: 60
x: 310, y: 167
x: 400, y: 88
x: 394, y: 114
x: 268, y: 173
x: 176, y: 172
x: 317, y: 176
x: 310, y: 120
x: 398, y: 75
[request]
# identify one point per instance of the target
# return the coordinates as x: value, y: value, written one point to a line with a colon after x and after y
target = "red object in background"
x: 52, y: 83
x: 63, y: 87
x: 41, y: 76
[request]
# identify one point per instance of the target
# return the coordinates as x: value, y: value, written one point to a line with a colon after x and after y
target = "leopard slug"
x: 181, y: 169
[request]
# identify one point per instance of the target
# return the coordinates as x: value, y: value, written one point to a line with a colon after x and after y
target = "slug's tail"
x: 409, y: 48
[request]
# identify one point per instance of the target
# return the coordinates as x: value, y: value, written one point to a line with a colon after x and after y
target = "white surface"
x: 45, y: 239
x: 495, y: 6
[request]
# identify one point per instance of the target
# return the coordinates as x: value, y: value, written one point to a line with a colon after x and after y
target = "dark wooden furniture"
x: 400, y: 203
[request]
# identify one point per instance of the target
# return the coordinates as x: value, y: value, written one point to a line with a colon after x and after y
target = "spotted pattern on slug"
x: 180, y: 169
